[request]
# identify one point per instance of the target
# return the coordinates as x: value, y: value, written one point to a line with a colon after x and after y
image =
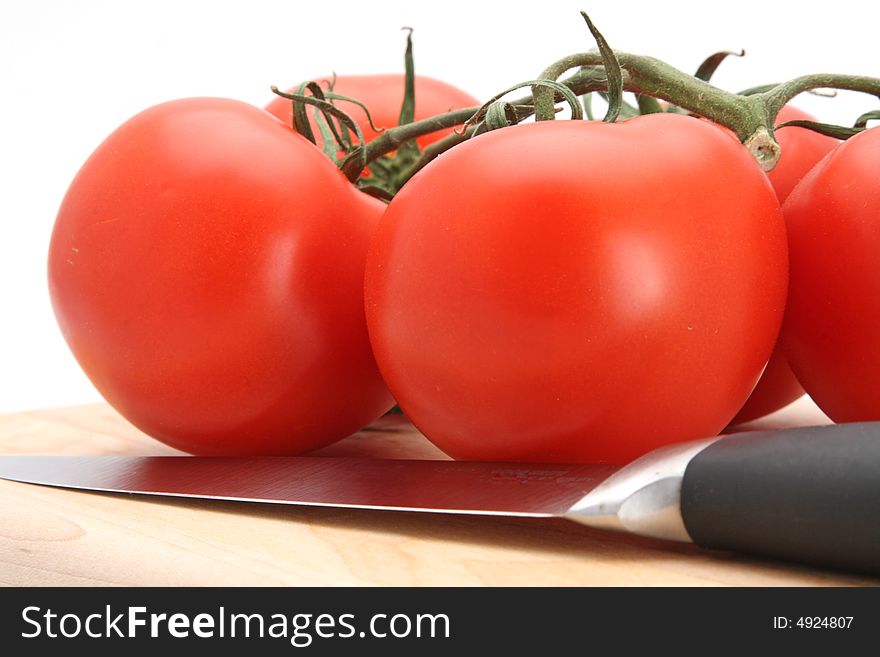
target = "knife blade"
x: 808, y: 494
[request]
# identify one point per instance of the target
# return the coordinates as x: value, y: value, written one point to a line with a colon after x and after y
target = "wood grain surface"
x: 59, y: 537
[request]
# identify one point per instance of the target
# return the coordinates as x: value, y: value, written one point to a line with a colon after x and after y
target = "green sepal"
x: 612, y: 71
x: 323, y: 116
x: 587, y: 102
x: 627, y: 111
x: 334, y: 96
x: 374, y: 190
x: 707, y: 69
x: 862, y: 121
x: 827, y: 129
x: 648, y: 105
x: 329, y: 110
x: 408, y: 108
x: 300, y: 117
x: 409, y: 149
x: 328, y: 141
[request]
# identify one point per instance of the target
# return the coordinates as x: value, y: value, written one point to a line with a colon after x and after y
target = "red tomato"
x: 206, y: 269
x: 832, y: 322
x: 801, y: 150
x: 778, y: 387
x: 621, y: 291
x: 383, y: 96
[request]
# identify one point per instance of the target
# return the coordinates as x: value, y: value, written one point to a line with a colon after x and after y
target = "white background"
x: 71, y: 72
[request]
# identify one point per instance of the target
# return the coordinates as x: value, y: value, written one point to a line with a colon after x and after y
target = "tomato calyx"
x: 324, y: 120
x: 383, y: 175
x: 335, y: 127
x: 707, y: 68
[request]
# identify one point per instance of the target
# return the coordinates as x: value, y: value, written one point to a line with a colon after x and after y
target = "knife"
x: 810, y: 494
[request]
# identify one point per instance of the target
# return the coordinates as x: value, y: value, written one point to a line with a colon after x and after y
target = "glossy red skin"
x: 578, y: 291
x: 801, y: 150
x: 383, y: 95
x: 831, y: 334
x: 777, y: 388
x: 206, y: 269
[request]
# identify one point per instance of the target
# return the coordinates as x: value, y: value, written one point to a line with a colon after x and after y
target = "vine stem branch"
x: 777, y: 96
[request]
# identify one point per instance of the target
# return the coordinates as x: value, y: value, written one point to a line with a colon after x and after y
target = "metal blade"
x: 535, y: 490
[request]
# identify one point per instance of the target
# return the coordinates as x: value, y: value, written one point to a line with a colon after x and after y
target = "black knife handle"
x: 810, y: 494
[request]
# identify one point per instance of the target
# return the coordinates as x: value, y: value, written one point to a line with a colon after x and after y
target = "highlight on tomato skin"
x: 383, y: 96
x: 802, y: 149
x: 206, y: 269
x: 832, y: 320
x: 578, y: 309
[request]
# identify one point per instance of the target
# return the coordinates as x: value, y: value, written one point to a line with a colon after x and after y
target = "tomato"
x: 578, y: 291
x: 206, y: 269
x: 777, y: 387
x: 801, y: 150
x: 383, y: 96
x: 832, y: 322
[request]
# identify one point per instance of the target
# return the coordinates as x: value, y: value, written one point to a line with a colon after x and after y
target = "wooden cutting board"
x: 57, y: 537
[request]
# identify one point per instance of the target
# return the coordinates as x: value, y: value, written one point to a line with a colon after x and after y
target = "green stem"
x: 436, y: 149
x: 652, y: 77
x: 776, y: 97
x: 581, y: 83
x: 390, y: 140
x: 751, y: 117
x: 748, y: 116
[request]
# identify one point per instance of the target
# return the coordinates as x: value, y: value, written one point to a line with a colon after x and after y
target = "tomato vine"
x: 750, y: 114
